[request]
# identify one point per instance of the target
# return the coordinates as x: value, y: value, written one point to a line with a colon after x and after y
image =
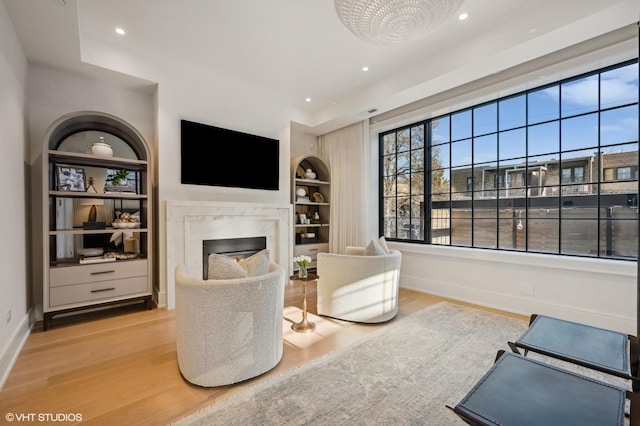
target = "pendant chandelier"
x: 393, y: 21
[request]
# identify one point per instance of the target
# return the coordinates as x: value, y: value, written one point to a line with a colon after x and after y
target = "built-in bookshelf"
x: 96, y: 216
x: 311, y: 198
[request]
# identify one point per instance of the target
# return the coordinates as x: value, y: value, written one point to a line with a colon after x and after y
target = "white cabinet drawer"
x: 70, y: 275
x: 95, y: 291
x: 310, y: 250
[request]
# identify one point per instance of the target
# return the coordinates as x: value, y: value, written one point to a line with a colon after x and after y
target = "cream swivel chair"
x: 228, y: 330
x: 358, y: 287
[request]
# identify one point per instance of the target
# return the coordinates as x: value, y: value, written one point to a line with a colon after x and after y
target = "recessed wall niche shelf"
x: 311, y: 208
x: 97, y: 244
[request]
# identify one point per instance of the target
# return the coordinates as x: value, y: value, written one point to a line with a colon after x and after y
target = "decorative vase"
x: 302, y: 272
x: 309, y: 174
x: 300, y: 192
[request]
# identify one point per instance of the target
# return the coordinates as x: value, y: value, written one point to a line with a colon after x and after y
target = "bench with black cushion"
x: 520, y: 391
x: 603, y: 350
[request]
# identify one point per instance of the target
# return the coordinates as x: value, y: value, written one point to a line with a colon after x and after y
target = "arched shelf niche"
x: 311, y: 198
x: 96, y: 231
x: 96, y: 121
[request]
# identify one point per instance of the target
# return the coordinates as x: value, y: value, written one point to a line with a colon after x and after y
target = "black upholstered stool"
x: 520, y: 391
x: 603, y: 350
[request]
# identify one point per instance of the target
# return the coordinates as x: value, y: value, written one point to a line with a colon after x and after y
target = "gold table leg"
x: 304, y: 325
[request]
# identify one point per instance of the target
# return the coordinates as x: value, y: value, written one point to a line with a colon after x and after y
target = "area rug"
x: 403, y: 374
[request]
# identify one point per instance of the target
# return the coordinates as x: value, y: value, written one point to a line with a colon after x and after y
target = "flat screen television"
x: 221, y: 157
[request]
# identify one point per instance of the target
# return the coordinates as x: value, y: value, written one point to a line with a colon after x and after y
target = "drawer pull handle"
x: 313, y: 249
x: 102, y: 272
x: 103, y: 289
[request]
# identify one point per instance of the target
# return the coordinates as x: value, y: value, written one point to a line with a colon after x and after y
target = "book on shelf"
x: 119, y: 188
x: 97, y: 259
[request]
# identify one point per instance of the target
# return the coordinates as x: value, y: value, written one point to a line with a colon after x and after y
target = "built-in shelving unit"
x: 312, y: 214
x: 96, y: 229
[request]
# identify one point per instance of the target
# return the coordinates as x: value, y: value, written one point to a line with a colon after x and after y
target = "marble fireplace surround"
x: 191, y: 222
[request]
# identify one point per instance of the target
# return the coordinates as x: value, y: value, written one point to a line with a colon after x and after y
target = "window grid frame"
x: 474, y: 204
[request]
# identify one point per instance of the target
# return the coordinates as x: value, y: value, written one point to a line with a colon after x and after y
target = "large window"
x: 550, y: 170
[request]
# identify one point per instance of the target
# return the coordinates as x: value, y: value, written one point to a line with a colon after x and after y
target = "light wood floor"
x: 122, y: 369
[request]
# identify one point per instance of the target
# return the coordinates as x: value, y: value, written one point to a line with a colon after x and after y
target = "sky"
x: 505, y: 138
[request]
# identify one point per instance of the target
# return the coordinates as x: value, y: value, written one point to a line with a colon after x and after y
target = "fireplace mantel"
x: 191, y: 222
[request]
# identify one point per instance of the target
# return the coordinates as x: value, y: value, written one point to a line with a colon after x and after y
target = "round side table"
x: 304, y: 325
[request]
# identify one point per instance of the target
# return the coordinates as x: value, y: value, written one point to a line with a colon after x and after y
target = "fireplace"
x: 189, y: 223
x: 232, y: 247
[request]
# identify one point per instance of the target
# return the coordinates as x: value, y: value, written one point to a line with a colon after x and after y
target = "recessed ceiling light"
x: 365, y: 69
x: 308, y: 99
x: 120, y: 31
x: 463, y: 16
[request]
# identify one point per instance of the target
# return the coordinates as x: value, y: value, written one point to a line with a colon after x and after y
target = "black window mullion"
x: 455, y: 181
x: 496, y: 185
x: 426, y: 203
x: 397, y: 209
x: 526, y: 162
x: 599, y: 191
x: 473, y: 165
x: 450, y: 182
x: 560, y: 157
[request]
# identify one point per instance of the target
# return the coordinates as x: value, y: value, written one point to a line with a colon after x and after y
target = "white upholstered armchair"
x: 229, y: 330
x: 357, y: 287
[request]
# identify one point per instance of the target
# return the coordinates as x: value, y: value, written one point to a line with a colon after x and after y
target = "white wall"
x: 599, y: 292
x: 303, y: 142
x: 15, y: 296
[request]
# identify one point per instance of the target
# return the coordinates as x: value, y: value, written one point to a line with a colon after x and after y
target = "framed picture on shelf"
x: 70, y: 178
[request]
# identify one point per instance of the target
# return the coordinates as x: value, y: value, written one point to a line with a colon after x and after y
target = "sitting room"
x: 336, y: 212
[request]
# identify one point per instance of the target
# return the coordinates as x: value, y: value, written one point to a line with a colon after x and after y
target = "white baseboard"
x: 10, y: 356
x: 519, y: 304
x: 160, y: 297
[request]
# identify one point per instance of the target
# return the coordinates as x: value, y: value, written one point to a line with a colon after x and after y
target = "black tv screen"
x: 221, y: 157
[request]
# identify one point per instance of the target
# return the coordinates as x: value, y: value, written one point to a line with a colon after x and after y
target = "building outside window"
x: 550, y: 170
x: 623, y: 173
x: 573, y: 174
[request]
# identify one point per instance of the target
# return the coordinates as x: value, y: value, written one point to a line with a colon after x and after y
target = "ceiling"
x: 297, y: 49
